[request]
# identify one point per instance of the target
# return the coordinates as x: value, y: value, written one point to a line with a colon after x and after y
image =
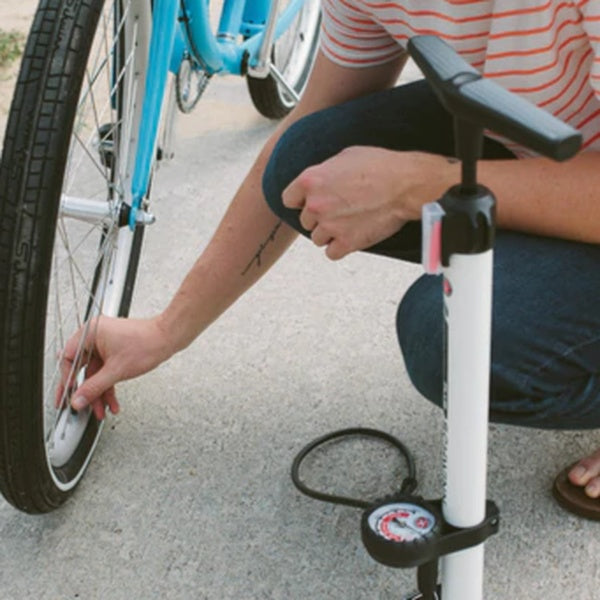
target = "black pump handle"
x: 467, y: 95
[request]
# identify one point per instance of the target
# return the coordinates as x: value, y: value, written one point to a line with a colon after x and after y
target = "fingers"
x: 81, y: 358
x: 59, y: 395
x: 66, y: 383
x: 70, y: 361
x: 97, y: 390
x: 305, y: 194
x: 336, y: 250
x: 71, y: 349
x: 99, y: 405
x: 295, y: 196
x: 98, y: 410
x: 110, y: 399
x: 308, y: 218
x: 320, y: 236
x: 295, y: 193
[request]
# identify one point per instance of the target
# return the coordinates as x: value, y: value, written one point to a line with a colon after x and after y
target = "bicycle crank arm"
x: 280, y: 79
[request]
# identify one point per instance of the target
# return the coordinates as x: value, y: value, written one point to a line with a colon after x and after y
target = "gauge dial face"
x: 401, y: 522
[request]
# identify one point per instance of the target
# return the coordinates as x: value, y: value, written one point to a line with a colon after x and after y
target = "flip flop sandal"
x: 574, y: 499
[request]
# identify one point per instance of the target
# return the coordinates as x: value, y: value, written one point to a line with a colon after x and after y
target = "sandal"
x: 574, y: 499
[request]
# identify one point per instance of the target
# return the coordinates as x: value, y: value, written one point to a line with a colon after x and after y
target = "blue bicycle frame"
x: 184, y: 29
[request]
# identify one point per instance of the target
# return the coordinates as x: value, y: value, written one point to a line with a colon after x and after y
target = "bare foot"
x: 586, y: 473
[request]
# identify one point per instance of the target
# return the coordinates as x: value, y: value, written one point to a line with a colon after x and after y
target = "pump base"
x: 419, y: 595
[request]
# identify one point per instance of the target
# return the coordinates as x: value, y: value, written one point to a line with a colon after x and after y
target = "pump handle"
x: 467, y: 95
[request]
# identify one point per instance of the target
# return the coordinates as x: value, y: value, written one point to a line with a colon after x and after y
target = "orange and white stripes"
x: 547, y: 51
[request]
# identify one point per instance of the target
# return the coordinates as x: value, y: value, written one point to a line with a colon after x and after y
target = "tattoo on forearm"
x: 258, y: 256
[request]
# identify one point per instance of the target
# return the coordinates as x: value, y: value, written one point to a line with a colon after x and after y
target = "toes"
x: 578, y: 474
x: 587, y: 470
x: 592, y: 489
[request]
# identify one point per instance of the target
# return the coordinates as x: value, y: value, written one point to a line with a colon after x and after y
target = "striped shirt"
x: 547, y: 51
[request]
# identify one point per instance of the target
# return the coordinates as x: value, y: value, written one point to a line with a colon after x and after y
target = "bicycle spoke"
x: 66, y: 243
x: 74, y: 308
x: 98, y: 123
x: 96, y: 164
x: 98, y: 75
x: 103, y: 260
x: 94, y: 229
x: 93, y: 76
x: 74, y: 269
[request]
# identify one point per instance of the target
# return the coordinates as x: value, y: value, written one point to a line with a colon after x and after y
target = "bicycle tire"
x: 293, y: 54
x: 59, y: 154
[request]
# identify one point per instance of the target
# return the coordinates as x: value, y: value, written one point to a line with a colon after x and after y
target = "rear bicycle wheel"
x: 293, y: 56
x: 64, y: 255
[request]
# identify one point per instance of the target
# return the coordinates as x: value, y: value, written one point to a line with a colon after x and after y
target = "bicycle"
x: 90, y: 122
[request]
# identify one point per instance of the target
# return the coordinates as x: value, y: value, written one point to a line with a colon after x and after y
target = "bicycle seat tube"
x: 223, y: 54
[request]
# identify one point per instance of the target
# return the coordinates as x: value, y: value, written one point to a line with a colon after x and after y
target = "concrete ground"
x: 189, y: 495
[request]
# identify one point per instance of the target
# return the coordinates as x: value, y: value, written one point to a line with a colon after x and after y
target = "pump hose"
x: 408, y: 485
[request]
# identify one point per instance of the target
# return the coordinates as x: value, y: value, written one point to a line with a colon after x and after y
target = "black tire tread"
x: 265, y: 93
x: 31, y: 174
x: 265, y: 97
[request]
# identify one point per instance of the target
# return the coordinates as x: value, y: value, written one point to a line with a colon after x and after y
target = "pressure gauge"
x: 401, y: 531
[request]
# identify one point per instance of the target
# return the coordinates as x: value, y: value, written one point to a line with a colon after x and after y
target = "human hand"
x: 363, y: 195
x: 111, y: 350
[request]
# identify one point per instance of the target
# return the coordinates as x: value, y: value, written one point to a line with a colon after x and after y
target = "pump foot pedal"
x: 419, y: 596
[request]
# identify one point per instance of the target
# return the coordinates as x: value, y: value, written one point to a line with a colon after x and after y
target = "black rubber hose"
x: 408, y: 485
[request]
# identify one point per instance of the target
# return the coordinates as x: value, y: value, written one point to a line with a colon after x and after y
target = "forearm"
x: 534, y: 195
x: 543, y: 197
x: 249, y: 239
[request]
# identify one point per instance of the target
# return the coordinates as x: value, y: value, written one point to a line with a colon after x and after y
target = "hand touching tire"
x: 111, y: 350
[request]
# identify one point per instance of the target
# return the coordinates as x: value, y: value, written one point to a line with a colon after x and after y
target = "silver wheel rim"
x: 91, y: 252
x: 295, y: 48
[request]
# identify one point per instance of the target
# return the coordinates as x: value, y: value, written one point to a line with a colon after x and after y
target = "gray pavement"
x: 189, y: 495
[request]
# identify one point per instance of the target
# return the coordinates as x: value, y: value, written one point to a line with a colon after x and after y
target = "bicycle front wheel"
x: 293, y: 56
x: 65, y: 256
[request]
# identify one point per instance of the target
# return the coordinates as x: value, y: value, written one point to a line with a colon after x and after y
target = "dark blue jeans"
x: 546, y: 312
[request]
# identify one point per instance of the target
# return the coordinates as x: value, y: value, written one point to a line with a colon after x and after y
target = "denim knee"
x: 277, y: 174
x: 545, y: 336
x: 419, y: 324
x: 295, y: 151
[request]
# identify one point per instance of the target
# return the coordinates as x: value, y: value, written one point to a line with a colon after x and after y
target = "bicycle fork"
x: 160, y: 62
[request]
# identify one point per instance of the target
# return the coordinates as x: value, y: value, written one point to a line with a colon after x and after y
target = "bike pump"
x: 458, y: 237
x: 403, y: 529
